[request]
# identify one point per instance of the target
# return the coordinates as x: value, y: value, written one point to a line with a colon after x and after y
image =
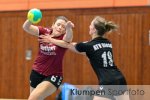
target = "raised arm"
x: 69, y: 33
x: 66, y: 42
x: 31, y: 29
x: 66, y: 39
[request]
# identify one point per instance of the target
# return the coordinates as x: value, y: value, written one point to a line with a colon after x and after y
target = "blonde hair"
x: 103, y: 26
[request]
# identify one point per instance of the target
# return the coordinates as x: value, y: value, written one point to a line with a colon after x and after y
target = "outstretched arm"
x: 28, y: 27
x: 48, y: 39
x: 71, y: 47
x: 61, y: 43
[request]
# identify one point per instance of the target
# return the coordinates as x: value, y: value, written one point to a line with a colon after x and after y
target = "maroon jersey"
x: 50, y: 56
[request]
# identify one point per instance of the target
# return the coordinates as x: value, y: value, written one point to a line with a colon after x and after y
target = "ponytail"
x: 102, y: 26
x: 110, y: 26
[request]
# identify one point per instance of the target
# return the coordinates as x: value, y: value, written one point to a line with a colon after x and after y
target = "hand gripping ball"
x: 34, y: 15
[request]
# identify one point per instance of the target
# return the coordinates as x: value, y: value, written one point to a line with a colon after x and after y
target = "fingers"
x: 41, y: 36
x: 69, y: 24
x: 43, y: 40
x: 72, y: 25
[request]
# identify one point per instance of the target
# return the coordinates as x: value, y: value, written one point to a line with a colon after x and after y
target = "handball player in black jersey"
x: 99, y: 52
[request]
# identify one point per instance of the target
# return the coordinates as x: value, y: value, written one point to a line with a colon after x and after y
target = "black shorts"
x: 36, y: 78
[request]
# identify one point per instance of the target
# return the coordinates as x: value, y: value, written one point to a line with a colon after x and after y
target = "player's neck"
x: 95, y: 36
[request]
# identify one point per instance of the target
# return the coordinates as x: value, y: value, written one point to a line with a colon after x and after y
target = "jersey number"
x: 107, y: 59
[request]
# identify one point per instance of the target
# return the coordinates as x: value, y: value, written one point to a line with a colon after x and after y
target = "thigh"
x: 43, y: 90
x: 31, y: 89
x: 48, y: 86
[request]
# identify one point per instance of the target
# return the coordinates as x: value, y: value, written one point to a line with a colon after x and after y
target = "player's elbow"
x: 25, y: 27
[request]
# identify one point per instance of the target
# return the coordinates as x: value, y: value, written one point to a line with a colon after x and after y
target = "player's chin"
x: 59, y: 33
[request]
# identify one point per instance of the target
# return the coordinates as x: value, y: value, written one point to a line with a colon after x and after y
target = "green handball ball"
x: 34, y: 15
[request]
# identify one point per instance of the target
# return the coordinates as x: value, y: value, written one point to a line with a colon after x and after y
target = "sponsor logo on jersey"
x: 102, y: 45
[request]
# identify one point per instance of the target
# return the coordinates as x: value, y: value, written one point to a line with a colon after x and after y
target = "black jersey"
x: 99, y: 52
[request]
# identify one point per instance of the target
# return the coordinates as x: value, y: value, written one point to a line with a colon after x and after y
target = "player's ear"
x: 94, y: 30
